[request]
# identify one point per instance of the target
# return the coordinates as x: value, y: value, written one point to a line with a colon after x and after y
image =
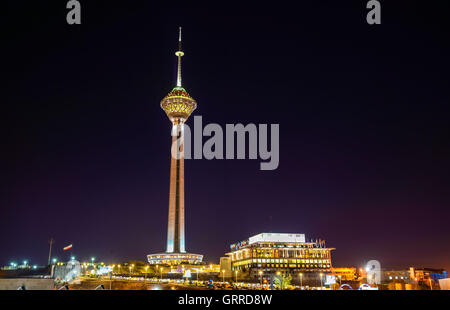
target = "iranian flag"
x: 67, y: 247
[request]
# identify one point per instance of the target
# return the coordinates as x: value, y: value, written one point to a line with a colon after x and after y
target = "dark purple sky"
x: 363, y: 113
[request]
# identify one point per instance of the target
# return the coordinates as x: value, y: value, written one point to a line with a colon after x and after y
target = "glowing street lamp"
x: 146, y: 271
x: 54, y: 260
x: 131, y: 267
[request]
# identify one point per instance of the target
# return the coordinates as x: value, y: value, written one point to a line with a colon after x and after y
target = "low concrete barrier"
x: 27, y: 283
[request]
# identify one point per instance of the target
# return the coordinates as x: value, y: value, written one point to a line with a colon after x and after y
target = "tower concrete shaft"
x: 175, y: 230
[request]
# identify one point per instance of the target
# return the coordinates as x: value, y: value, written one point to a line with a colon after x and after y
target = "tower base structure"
x: 174, y: 258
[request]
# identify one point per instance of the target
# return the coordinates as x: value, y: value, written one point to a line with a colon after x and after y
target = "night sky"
x: 363, y: 113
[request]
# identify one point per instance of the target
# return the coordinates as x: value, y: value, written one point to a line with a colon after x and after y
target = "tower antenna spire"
x: 179, y: 54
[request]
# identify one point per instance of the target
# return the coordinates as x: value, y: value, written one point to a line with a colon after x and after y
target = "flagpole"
x: 50, y: 250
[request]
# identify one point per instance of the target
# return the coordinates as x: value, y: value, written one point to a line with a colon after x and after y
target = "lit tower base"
x: 178, y: 105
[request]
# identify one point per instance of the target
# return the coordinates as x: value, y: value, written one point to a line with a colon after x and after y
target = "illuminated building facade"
x: 345, y: 273
x: 269, y: 254
x: 178, y: 105
x: 424, y: 275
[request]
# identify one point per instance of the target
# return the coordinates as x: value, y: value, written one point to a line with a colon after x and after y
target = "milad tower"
x: 178, y: 105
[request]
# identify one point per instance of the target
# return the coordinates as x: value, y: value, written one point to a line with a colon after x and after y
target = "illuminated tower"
x: 178, y: 105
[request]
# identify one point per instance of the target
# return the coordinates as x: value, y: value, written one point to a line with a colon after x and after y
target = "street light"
x: 131, y: 268
x: 281, y: 284
x: 54, y: 260
x: 146, y: 271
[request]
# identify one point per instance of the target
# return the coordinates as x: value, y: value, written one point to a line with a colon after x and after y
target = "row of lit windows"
x: 185, y: 108
x: 293, y: 255
x: 304, y: 246
x: 276, y: 254
x: 294, y: 265
x: 246, y: 264
x: 285, y: 261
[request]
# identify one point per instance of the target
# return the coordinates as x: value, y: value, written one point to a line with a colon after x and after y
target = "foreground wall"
x: 444, y: 284
x: 30, y: 284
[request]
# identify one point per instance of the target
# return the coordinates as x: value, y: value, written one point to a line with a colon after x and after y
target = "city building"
x: 344, y: 274
x: 444, y: 284
x: 178, y: 105
x: 427, y: 276
x: 266, y: 255
x: 225, y: 267
x: 412, y: 278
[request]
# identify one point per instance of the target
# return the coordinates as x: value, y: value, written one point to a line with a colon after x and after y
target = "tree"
x: 283, y: 281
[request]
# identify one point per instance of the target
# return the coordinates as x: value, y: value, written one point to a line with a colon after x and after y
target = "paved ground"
x: 90, y: 284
